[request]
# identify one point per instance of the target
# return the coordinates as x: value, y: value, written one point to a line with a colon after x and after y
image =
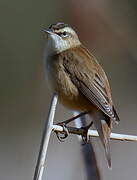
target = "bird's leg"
x: 64, y: 123
x: 65, y: 133
x: 84, y: 135
x: 73, y: 118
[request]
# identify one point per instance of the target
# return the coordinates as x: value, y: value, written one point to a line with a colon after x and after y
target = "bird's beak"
x: 47, y: 31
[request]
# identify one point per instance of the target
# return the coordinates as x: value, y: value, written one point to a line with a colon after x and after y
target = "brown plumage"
x: 82, y: 85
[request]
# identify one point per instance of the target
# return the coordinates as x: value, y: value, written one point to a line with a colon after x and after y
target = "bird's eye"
x: 64, y: 34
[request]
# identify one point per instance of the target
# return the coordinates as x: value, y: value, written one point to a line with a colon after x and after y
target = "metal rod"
x: 94, y: 133
x: 45, y: 139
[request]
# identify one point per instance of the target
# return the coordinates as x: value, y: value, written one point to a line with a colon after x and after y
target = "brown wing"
x: 90, y: 79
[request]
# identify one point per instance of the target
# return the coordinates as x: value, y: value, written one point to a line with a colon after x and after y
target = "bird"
x: 79, y: 80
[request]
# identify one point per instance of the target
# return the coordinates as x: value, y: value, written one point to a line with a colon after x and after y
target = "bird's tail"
x: 104, y: 129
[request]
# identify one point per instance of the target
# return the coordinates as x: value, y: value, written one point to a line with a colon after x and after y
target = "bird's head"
x: 61, y: 37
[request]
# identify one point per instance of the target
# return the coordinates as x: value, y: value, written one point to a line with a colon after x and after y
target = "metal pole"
x: 94, y: 133
x: 45, y: 139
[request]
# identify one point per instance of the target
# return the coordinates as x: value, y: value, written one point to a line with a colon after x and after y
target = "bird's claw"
x: 85, y: 136
x: 65, y: 132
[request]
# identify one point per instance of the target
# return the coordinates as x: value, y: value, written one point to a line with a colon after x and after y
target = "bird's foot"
x: 85, y: 136
x: 64, y: 134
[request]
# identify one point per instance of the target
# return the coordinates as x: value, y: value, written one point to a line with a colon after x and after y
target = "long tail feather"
x: 106, y: 140
x: 104, y: 130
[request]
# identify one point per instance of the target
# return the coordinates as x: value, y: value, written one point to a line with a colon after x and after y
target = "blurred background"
x: 109, y: 29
